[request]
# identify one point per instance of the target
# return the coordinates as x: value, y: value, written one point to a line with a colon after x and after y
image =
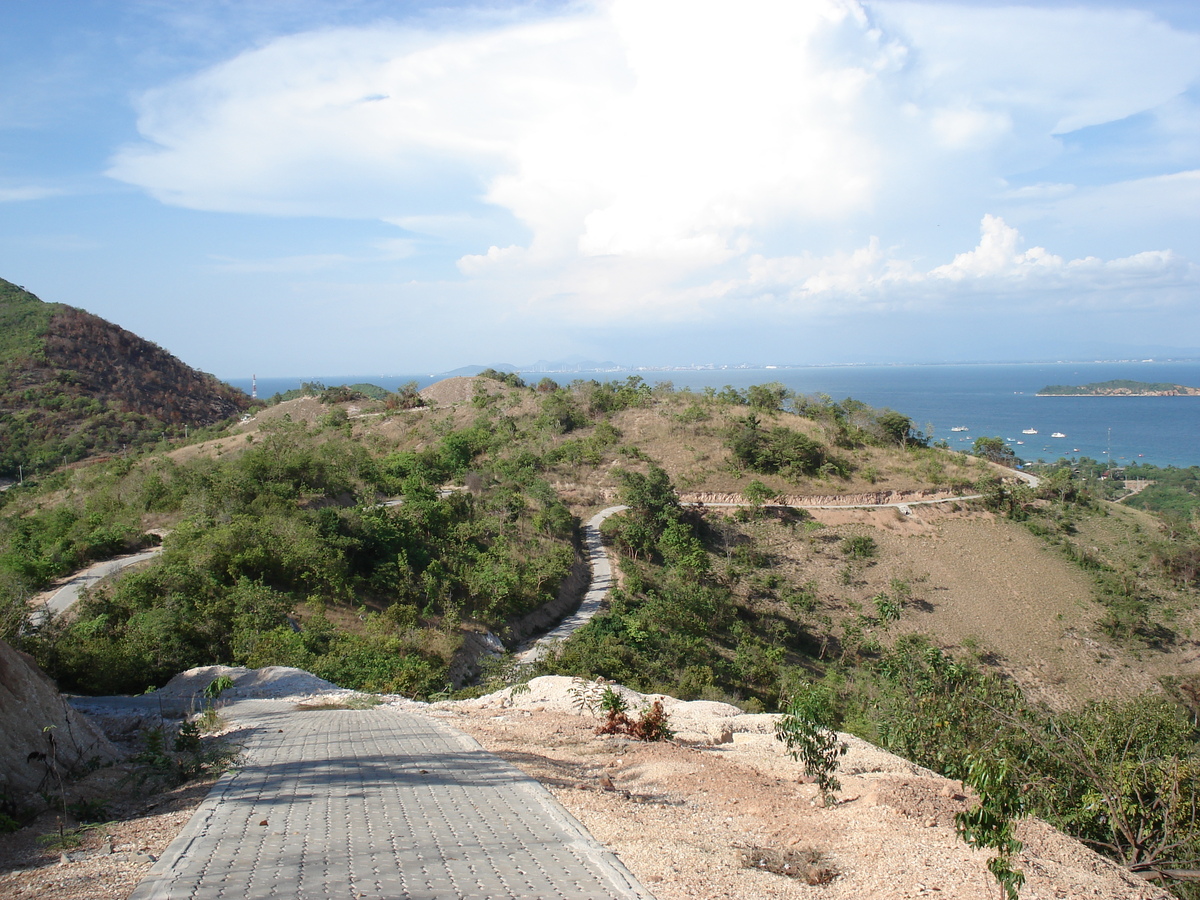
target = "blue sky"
x: 355, y: 187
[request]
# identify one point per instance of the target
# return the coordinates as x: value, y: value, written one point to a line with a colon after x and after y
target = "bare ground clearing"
x: 984, y: 585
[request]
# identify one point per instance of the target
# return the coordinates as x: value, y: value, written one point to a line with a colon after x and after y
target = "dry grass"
x: 803, y: 863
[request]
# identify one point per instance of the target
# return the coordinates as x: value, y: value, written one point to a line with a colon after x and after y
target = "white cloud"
x: 1069, y: 67
x: 998, y: 255
x: 1039, y: 191
x: 658, y: 158
x: 1134, y: 205
x: 1030, y: 280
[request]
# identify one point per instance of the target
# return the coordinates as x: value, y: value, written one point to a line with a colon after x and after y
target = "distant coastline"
x: 1120, y: 388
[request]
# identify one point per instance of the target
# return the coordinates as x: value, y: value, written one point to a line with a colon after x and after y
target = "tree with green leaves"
x: 806, y: 729
x: 992, y: 824
x: 767, y: 397
x: 896, y: 427
x: 995, y: 450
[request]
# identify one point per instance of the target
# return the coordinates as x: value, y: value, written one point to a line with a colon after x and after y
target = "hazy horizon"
x: 634, y: 368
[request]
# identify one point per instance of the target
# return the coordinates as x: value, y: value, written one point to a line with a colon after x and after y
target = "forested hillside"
x: 73, y: 385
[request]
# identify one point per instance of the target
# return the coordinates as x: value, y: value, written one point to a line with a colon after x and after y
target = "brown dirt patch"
x: 462, y: 389
x: 980, y: 585
x: 993, y: 584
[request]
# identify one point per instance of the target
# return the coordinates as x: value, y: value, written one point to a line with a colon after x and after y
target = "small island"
x: 1121, y: 387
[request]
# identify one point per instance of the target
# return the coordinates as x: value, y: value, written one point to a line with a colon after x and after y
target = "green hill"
x: 73, y: 385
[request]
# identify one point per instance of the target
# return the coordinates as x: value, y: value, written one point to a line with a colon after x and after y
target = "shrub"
x: 859, y: 546
x: 778, y: 450
x: 652, y: 723
x: 990, y: 825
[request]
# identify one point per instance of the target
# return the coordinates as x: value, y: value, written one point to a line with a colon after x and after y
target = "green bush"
x: 779, y: 450
x: 859, y: 546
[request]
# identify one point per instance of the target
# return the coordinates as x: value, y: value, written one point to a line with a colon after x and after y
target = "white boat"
x: 1058, y: 434
x: 1029, y: 431
x: 960, y: 428
x: 1020, y: 442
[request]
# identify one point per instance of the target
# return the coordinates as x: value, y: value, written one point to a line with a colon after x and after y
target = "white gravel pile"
x: 267, y: 683
x: 696, y: 722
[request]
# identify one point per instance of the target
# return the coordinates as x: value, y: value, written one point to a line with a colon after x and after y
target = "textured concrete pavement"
x: 378, y: 803
x: 593, y: 600
x: 64, y: 598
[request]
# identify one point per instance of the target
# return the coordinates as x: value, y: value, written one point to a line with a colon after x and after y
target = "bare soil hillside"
x: 977, y: 584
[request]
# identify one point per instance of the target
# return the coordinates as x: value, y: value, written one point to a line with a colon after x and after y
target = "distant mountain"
x: 73, y: 385
x: 469, y: 371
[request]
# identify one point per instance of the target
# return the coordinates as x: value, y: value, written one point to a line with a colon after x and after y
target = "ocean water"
x: 991, y: 400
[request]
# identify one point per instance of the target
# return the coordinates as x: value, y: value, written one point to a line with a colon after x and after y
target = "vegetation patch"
x: 355, y: 701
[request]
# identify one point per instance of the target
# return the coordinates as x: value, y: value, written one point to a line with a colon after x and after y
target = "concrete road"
x: 64, y: 598
x: 381, y: 804
x: 592, y: 600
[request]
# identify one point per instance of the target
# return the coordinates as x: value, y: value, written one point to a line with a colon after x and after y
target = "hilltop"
x: 73, y: 385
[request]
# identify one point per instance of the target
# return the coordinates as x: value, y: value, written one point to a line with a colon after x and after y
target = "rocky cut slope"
x: 73, y: 384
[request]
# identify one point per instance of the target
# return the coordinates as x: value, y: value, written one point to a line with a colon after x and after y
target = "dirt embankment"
x: 870, y: 498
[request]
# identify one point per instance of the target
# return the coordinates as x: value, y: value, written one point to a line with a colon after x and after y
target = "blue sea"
x: 991, y: 400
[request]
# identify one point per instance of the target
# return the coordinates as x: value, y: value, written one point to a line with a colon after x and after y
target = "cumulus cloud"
x: 998, y: 265
x: 998, y: 255
x: 659, y: 158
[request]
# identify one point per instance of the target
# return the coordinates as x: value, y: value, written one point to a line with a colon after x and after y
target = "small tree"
x: 758, y: 494
x: 995, y: 450
x: 806, y: 729
x: 767, y: 397
x: 896, y: 427
x: 991, y: 825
